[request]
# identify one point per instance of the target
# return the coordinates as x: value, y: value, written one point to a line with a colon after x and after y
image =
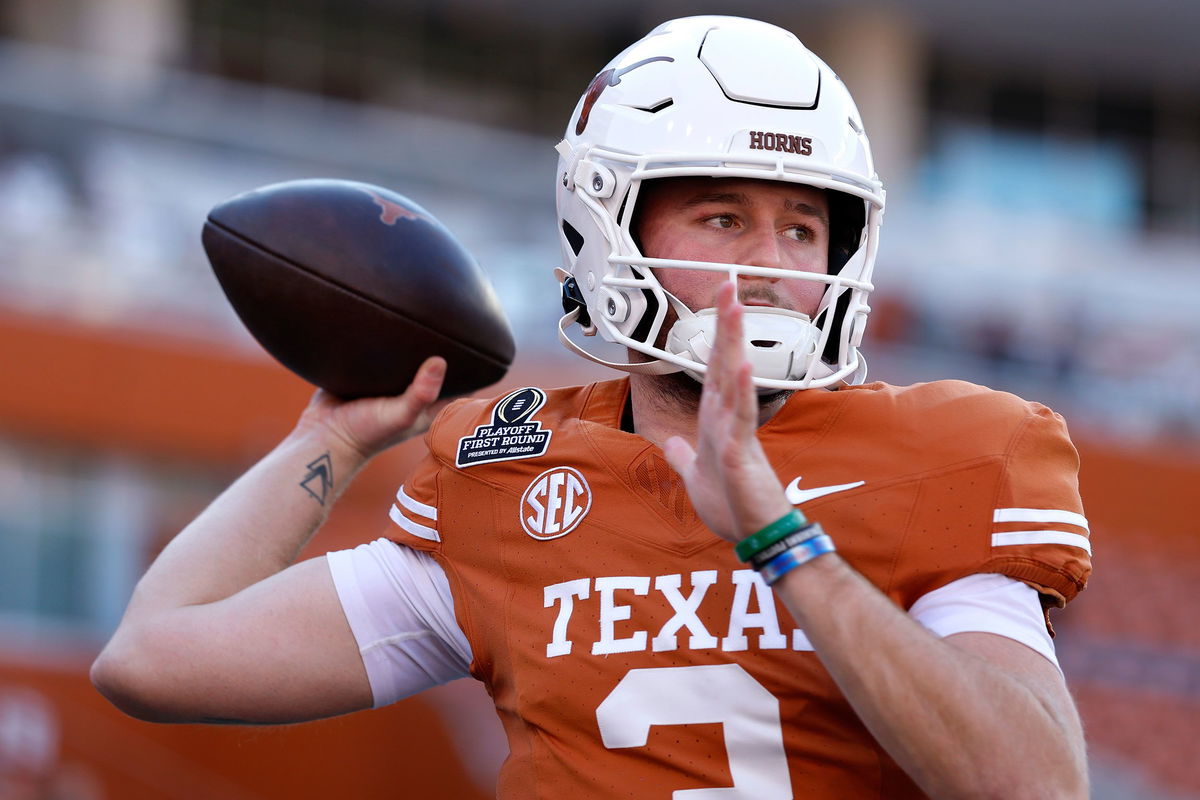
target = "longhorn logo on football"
x: 555, y: 503
x: 391, y: 211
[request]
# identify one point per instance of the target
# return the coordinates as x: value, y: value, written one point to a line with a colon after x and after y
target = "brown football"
x: 352, y: 286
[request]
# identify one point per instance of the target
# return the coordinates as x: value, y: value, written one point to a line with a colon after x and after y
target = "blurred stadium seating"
x: 1043, y: 236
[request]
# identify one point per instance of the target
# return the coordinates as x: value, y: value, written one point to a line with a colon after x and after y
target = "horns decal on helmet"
x: 610, y: 77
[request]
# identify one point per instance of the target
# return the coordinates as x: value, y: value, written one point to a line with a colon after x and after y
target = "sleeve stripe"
x: 415, y: 529
x: 1039, y: 515
x: 1042, y: 537
x: 415, y: 506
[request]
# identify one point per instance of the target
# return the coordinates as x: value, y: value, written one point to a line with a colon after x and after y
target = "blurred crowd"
x: 105, y: 228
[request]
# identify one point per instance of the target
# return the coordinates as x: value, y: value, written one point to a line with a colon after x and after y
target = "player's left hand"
x: 728, y: 478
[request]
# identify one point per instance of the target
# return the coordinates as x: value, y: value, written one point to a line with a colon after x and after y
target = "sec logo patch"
x: 555, y: 503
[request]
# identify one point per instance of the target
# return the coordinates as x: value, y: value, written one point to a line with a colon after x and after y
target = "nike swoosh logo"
x: 797, y: 496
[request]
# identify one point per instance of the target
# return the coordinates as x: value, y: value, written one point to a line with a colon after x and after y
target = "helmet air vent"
x: 574, y: 237
x: 656, y: 107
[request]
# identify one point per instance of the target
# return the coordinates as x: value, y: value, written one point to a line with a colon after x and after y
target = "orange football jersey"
x: 631, y: 655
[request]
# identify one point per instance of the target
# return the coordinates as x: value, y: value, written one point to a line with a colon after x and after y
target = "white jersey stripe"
x: 1042, y: 537
x: 414, y: 528
x: 415, y: 506
x: 1039, y: 515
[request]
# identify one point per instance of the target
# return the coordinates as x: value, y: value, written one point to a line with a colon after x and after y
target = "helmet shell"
x: 717, y: 96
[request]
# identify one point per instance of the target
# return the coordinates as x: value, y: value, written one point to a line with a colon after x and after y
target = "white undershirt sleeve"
x: 398, y: 603
x: 987, y: 603
x: 399, y: 606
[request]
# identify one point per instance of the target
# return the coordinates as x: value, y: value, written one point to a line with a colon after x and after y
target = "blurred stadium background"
x: 1043, y: 170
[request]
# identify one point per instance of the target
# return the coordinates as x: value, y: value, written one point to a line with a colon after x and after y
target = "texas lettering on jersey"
x: 630, y: 653
x: 753, y: 608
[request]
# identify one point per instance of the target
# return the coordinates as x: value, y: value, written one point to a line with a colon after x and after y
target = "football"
x: 352, y: 286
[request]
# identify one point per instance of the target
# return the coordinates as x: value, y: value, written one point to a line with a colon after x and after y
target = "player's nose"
x: 762, y: 248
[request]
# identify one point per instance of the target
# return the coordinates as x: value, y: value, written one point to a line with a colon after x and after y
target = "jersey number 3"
x: 723, y: 693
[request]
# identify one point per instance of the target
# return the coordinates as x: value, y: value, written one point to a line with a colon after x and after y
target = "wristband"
x: 800, y: 554
x: 759, y: 559
x: 780, y: 528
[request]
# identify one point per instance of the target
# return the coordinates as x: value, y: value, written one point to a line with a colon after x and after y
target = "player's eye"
x: 721, y: 221
x: 800, y: 233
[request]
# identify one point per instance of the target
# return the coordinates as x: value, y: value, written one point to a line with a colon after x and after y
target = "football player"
x: 738, y: 572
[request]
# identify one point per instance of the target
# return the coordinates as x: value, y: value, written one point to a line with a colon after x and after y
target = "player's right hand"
x: 729, y: 480
x: 370, y: 425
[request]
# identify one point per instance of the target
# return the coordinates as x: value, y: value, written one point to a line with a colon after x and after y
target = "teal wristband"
x: 780, y: 528
x: 802, y: 553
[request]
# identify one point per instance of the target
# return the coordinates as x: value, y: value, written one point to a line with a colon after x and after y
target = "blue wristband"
x: 764, y: 556
x: 802, y: 553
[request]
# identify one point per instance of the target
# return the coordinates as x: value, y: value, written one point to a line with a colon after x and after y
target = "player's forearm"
x: 959, y: 726
x: 254, y: 529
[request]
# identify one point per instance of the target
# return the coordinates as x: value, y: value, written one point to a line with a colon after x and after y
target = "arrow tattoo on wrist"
x: 319, y: 479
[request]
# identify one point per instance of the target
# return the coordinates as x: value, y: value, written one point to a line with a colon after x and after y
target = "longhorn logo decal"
x: 610, y: 77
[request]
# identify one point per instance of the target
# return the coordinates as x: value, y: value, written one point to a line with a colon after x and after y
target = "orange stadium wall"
x: 180, y: 401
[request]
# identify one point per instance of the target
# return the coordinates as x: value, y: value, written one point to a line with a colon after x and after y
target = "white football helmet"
x: 720, y: 97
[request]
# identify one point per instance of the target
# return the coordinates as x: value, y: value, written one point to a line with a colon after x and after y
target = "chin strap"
x: 637, y: 367
x: 859, y: 377
x: 783, y: 326
x: 820, y: 369
x: 779, y: 344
